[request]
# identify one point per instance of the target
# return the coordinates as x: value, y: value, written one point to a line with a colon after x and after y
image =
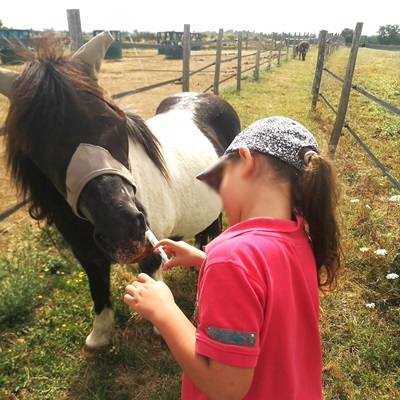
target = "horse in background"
x: 102, y: 174
x: 301, y: 49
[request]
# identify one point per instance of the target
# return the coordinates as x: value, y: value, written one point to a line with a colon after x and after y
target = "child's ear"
x: 247, y: 159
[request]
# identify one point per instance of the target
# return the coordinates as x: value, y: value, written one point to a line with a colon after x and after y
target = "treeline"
x: 386, y: 35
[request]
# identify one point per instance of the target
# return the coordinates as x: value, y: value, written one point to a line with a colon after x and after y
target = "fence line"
x: 377, y: 100
x: 340, y: 122
x: 8, y: 212
x: 160, y: 84
x: 392, y: 180
x: 77, y: 40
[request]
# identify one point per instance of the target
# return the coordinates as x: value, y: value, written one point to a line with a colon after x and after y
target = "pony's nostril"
x: 141, y: 221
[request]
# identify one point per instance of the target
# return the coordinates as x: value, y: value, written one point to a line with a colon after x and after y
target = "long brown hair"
x: 315, y: 194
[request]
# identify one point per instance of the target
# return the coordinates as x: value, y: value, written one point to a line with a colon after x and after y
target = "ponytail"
x: 315, y: 197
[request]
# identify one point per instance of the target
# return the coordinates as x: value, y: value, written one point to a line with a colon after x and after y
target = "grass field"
x: 45, y: 305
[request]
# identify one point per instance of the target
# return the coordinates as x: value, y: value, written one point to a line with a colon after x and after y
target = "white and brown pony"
x: 101, y: 174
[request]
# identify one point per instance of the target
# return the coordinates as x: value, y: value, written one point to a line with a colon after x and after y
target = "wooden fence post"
x: 218, y: 62
x: 319, y: 68
x: 270, y: 53
x: 75, y: 30
x: 186, y: 58
x: 280, y: 50
x: 344, y: 97
x: 294, y: 45
x: 239, y: 62
x: 257, y: 67
x: 287, y: 47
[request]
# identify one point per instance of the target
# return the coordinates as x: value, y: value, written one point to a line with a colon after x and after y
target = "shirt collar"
x: 262, y: 224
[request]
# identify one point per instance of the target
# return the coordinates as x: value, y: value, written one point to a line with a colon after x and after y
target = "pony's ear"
x: 6, y: 81
x: 92, y: 53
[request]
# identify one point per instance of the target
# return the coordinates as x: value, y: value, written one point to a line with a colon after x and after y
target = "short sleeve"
x: 231, y: 305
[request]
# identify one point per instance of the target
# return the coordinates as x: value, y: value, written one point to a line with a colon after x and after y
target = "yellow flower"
x: 46, y: 270
x: 64, y: 325
x: 21, y: 340
x: 40, y: 296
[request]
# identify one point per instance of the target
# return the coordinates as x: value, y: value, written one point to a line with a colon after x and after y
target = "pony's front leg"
x: 100, y: 336
x: 103, y: 324
x: 79, y: 234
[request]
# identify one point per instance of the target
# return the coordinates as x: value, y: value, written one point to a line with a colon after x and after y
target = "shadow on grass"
x: 138, y: 364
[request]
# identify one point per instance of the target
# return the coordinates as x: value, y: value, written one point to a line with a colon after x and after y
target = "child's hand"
x: 149, y: 298
x: 181, y: 254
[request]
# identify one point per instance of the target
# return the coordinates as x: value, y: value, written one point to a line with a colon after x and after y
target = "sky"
x: 289, y: 16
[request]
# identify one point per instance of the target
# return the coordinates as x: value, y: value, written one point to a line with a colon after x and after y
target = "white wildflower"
x: 395, y: 198
x: 354, y: 200
x: 364, y: 249
x: 369, y: 207
x: 380, y: 252
x: 370, y: 305
x: 392, y: 276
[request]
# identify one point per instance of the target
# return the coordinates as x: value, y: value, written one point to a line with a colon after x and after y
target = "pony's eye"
x: 132, y: 189
x: 107, y: 120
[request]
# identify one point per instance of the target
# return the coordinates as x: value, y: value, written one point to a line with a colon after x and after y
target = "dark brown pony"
x: 100, y: 174
x: 301, y: 49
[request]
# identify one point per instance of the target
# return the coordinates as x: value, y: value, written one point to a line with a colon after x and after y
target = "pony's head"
x: 67, y: 140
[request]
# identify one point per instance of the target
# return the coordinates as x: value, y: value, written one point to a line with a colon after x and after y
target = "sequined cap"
x: 278, y: 136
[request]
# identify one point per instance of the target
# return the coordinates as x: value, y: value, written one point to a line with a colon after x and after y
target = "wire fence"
x: 347, y: 86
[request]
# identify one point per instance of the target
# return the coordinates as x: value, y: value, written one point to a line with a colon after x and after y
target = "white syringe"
x: 153, y: 240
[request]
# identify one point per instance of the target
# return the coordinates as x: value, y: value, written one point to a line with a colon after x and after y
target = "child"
x: 255, y: 334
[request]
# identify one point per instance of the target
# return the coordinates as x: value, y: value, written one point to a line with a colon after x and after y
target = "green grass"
x: 46, y: 309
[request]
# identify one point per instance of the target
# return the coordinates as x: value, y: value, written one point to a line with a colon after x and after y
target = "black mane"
x: 37, y: 110
x: 39, y: 106
x: 140, y: 132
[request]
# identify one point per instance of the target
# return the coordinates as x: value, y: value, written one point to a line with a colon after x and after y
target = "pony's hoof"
x: 91, y: 352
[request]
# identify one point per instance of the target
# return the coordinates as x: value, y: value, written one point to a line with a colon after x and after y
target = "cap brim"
x: 212, y: 175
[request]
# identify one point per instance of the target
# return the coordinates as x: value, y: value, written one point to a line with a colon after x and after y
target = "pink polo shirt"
x: 258, y: 307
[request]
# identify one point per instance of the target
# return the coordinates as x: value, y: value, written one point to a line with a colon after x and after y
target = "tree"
x: 347, y: 35
x: 389, y: 34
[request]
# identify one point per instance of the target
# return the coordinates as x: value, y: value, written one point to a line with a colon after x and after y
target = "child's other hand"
x: 149, y: 298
